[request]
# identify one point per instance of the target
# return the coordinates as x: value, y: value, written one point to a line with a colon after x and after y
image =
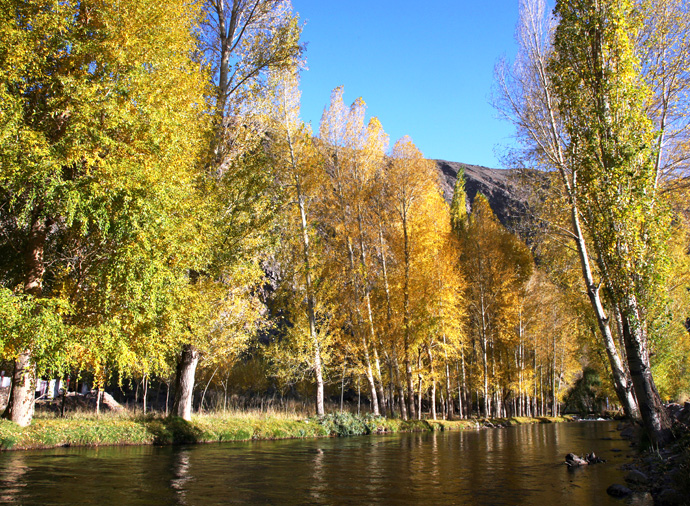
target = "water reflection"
x: 180, y: 475
x: 12, y: 480
x: 513, y: 466
x: 319, y: 483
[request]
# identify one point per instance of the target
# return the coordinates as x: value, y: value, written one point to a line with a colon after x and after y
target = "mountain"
x: 499, y: 186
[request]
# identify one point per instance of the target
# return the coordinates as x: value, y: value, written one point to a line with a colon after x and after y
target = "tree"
x: 302, y: 181
x: 99, y: 107
x: 353, y: 153
x: 602, y: 101
x: 243, y: 41
x: 527, y: 97
x: 412, y: 180
x: 495, y: 265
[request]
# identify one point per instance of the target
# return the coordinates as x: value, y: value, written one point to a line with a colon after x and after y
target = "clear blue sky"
x: 425, y: 69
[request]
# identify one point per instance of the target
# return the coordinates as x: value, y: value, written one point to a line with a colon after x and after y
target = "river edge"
x: 661, y: 473
x: 47, y: 433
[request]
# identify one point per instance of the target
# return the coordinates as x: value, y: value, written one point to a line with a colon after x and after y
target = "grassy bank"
x: 88, y: 430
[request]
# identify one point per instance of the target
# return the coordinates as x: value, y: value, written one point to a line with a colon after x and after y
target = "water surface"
x: 513, y: 466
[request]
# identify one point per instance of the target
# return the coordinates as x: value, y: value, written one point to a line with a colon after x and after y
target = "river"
x: 513, y: 466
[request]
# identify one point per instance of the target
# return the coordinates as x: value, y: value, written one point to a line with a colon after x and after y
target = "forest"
x: 169, y: 222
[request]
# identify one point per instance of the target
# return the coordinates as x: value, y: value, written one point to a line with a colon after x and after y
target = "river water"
x: 513, y: 466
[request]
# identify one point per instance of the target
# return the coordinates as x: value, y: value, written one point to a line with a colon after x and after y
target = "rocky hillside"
x: 497, y: 185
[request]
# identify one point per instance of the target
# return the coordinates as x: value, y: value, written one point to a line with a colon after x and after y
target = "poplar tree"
x: 611, y: 138
x: 411, y: 181
x: 528, y: 98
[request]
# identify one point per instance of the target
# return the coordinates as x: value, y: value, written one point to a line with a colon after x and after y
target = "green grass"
x: 84, y: 429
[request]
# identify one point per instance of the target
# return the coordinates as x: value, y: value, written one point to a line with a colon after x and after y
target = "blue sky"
x: 425, y: 69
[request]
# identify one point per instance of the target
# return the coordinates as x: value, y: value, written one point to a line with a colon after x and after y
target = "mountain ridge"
x: 499, y: 186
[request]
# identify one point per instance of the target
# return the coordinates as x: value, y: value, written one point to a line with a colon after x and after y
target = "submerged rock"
x: 617, y: 490
x: 669, y: 497
x: 636, y: 477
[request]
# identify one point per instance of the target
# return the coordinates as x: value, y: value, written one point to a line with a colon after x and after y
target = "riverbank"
x: 663, y: 474
x: 48, y: 432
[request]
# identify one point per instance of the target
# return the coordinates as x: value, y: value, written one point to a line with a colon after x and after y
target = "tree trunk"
x: 420, y: 380
x: 433, y: 383
x: 654, y: 416
x: 311, y: 302
x: 184, y: 382
x: 370, y: 378
x: 98, y: 401
x: 622, y: 385
x: 20, y: 405
x: 342, y: 389
x: 146, y: 392
x: 320, y: 408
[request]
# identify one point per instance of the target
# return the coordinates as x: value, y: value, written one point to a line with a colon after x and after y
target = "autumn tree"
x: 100, y: 127
x: 412, y: 181
x: 602, y: 100
x: 495, y: 265
x: 301, y: 180
x: 353, y: 152
x: 527, y: 97
x: 243, y: 41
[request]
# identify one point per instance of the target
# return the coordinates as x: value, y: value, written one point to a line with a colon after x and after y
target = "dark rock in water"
x: 669, y: 497
x: 630, y: 432
x: 636, y: 477
x: 591, y: 458
x: 617, y: 490
x: 573, y: 460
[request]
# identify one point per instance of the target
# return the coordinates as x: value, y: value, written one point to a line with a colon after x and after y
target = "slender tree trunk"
x: 420, y: 382
x: 98, y: 401
x: 184, y: 382
x: 318, y: 372
x: 449, y: 398
x: 389, y: 315
x: 433, y: 383
x: 461, y: 392
x: 378, y: 396
x: 554, y: 393
x: 306, y: 260
x: 406, y: 318
x: 203, y: 395
x: 378, y: 379
x: 342, y: 389
x: 146, y: 392
x: 465, y: 390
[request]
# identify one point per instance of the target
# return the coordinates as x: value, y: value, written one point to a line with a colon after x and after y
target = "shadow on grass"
x: 173, y: 430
